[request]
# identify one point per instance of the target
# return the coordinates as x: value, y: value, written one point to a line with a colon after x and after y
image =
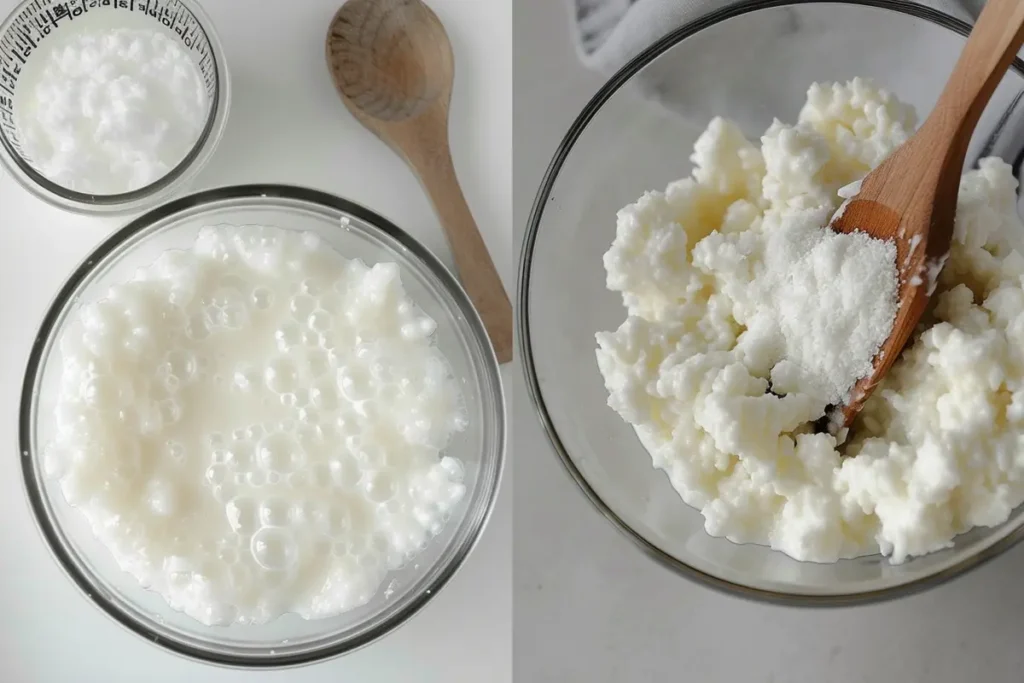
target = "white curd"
x: 256, y: 426
x: 712, y: 327
x: 110, y: 110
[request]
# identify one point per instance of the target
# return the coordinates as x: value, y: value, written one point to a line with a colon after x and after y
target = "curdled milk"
x: 721, y: 363
x: 110, y: 110
x: 256, y: 425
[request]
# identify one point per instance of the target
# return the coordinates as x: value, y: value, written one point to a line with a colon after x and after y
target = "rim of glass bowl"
x: 492, y: 464
x: 525, y: 341
x: 160, y: 189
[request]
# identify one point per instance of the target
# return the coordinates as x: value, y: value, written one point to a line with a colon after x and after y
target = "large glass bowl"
x: 750, y: 62
x: 460, y: 335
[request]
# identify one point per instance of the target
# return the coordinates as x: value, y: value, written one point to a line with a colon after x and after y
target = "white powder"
x: 821, y: 303
x: 111, y: 111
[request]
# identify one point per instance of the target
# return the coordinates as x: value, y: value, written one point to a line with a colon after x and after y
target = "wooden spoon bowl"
x: 386, y: 71
x: 911, y: 197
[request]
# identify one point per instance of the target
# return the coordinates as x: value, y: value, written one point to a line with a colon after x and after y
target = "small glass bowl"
x: 288, y: 640
x: 749, y: 62
x: 35, y: 21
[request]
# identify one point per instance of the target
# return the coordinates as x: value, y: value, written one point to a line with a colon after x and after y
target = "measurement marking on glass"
x: 39, y: 19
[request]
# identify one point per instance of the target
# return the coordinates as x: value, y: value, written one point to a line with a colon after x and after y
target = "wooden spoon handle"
x: 990, y: 49
x: 474, y: 264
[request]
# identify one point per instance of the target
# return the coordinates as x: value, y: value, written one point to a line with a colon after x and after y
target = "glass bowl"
x: 35, y: 22
x: 460, y: 335
x: 750, y: 62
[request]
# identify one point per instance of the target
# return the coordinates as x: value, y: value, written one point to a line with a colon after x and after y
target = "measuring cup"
x: 35, y: 27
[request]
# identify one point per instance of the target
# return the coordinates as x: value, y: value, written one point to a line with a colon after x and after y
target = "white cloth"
x: 608, y: 33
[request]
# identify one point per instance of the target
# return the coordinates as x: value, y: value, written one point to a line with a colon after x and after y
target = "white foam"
x: 246, y: 444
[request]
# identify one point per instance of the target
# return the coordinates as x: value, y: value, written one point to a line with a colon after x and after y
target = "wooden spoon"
x: 392, y: 64
x: 911, y: 197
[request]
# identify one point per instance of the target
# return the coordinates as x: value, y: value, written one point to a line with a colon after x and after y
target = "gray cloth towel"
x: 608, y: 33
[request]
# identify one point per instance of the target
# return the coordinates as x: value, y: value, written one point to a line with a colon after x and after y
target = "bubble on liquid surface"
x: 245, y: 378
x: 344, y: 471
x: 297, y: 480
x: 382, y: 373
x: 180, y: 363
x: 318, y: 363
x: 171, y: 382
x: 369, y: 455
x: 301, y: 305
x: 418, y: 329
x: 274, y: 548
x: 354, y: 383
x: 288, y: 336
x: 324, y: 396
x: 223, y: 493
x: 243, y: 515
x: 276, y: 511
x: 453, y: 468
x: 256, y: 479
x: 280, y: 452
x: 282, y: 375
x: 243, y: 456
x: 170, y: 411
x: 216, y: 474
x: 262, y: 298
x: 175, y: 450
x: 313, y: 286
x: 222, y: 456
x: 234, y: 317
x: 319, y: 321
x: 379, y: 486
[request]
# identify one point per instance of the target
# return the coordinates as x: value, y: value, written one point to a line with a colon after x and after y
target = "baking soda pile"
x: 818, y: 308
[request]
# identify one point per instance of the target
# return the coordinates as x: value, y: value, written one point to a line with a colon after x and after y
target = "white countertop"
x: 590, y: 607
x: 287, y: 125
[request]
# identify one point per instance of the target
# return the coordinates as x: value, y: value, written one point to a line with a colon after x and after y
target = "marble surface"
x: 286, y: 125
x: 590, y: 607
